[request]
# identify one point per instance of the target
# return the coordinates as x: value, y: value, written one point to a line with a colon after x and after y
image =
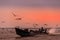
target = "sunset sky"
x: 31, y: 11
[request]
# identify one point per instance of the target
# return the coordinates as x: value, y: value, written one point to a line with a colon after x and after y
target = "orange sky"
x: 29, y: 15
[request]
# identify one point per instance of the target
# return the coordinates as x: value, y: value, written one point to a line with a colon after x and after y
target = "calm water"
x: 38, y: 37
x: 9, y: 34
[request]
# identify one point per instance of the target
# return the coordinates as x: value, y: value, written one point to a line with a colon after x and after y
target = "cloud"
x: 29, y: 3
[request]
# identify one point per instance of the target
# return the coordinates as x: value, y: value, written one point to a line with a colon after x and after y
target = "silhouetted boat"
x: 25, y: 32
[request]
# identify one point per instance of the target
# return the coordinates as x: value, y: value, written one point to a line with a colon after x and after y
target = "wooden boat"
x: 25, y: 32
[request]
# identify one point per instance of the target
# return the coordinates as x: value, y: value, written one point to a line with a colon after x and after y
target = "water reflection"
x: 42, y: 37
x: 7, y: 38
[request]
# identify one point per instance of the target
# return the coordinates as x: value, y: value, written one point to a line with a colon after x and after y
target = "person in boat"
x: 43, y: 30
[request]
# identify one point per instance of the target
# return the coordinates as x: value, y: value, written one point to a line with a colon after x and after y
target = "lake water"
x: 39, y: 37
x: 9, y: 34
